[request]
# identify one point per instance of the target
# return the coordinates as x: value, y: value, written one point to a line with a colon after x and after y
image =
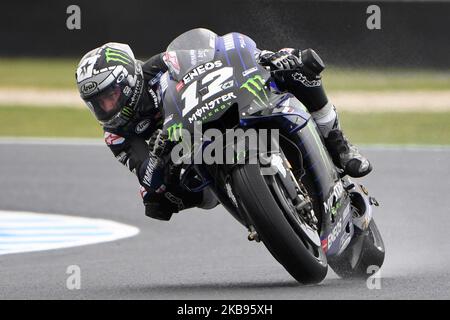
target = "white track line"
x: 28, y: 231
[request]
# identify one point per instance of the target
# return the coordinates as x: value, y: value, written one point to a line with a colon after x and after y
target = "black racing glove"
x: 158, y: 142
x: 297, y: 67
x: 278, y: 61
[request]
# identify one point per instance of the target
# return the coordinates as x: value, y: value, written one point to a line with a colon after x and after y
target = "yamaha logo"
x: 142, y: 126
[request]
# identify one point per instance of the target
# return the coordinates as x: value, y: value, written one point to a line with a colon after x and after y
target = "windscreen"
x: 189, y: 50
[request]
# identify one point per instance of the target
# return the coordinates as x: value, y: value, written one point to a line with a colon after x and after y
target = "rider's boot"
x: 345, y: 155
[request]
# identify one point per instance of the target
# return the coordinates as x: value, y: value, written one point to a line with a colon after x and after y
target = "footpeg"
x: 253, y: 235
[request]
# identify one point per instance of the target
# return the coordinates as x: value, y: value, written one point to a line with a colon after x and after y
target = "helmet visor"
x: 107, y: 103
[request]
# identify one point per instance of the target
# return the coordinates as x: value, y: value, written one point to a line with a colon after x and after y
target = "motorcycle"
x: 308, y: 214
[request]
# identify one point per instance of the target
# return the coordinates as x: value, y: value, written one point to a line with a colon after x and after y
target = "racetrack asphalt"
x: 205, y: 254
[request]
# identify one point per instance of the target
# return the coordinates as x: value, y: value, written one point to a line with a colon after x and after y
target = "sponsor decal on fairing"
x: 333, y: 201
x: 228, y: 42
x: 211, y: 105
x: 201, y: 69
x: 249, y: 71
x: 154, y: 80
x: 171, y: 60
x: 241, y: 41
x: 180, y: 85
x: 168, y: 118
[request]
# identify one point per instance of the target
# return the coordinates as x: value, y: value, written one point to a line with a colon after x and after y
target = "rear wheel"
x: 292, y: 241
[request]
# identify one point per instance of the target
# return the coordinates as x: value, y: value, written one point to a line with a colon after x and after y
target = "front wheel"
x: 261, y: 197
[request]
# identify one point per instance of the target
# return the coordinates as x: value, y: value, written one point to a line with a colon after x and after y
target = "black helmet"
x: 110, y: 81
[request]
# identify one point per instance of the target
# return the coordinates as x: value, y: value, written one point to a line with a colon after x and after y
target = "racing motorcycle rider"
x: 122, y: 93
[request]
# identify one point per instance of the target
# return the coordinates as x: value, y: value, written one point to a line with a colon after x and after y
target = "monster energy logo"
x: 117, y: 55
x: 174, y: 131
x: 255, y: 85
x: 211, y: 113
x: 127, y: 112
x: 335, y: 208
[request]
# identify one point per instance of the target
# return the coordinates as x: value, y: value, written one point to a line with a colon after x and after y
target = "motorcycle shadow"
x: 249, y: 285
x: 277, y: 289
x: 177, y: 290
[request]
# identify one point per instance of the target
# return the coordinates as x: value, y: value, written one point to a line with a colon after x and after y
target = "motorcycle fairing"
x: 242, y: 81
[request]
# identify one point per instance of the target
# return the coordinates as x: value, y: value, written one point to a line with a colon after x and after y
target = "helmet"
x: 110, y: 82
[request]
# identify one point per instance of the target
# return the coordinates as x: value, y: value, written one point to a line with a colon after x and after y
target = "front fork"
x: 296, y: 192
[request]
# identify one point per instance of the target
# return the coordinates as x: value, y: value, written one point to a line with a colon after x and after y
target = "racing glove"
x: 158, y: 142
x: 281, y: 60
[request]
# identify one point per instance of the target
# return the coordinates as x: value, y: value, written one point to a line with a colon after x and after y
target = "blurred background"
x: 400, y: 74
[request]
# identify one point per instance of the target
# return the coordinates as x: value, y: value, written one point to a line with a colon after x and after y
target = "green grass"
x: 38, y: 73
x: 60, y: 73
x: 397, y: 128
x: 385, y: 79
x: 389, y: 128
x: 48, y: 122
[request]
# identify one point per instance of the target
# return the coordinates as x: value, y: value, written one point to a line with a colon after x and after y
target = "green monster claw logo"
x: 117, y: 55
x: 174, y: 131
x: 255, y: 85
x: 127, y: 112
x: 335, y: 208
